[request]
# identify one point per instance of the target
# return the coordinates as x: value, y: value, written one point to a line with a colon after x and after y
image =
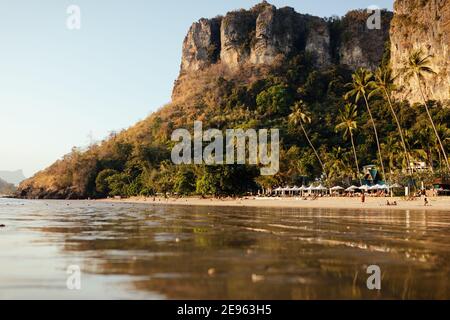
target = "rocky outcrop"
x: 284, y: 31
x: 318, y: 41
x: 267, y: 45
x: 237, y: 32
x: 256, y: 36
x: 41, y: 193
x: 359, y: 45
x: 201, y: 47
x: 259, y: 35
x: 425, y: 25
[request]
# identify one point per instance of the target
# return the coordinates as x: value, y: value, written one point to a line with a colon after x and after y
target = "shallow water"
x: 128, y: 251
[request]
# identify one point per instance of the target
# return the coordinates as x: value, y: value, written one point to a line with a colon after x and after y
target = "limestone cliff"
x: 422, y: 24
x: 259, y: 35
x: 201, y: 46
x: 359, y: 45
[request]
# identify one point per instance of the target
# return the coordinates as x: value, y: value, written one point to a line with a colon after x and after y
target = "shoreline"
x: 436, y: 204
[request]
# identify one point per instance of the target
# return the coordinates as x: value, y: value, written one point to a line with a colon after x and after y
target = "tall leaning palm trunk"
x: 400, y: 131
x: 299, y: 116
x: 417, y: 67
x: 312, y: 147
x: 376, y: 135
x: 348, y: 123
x: 361, y: 87
x: 384, y: 82
x: 356, y: 157
x: 432, y: 123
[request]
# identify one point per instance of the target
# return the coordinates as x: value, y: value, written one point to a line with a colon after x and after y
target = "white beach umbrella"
x: 337, y: 188
x: 278, y: 190
x: 352, y: 189
x: 320, y: 189
x: 365, y: 188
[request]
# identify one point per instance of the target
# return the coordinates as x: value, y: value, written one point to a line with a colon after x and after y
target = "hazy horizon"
x: 63, y: 88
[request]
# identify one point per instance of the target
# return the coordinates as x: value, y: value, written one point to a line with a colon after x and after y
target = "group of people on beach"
x: 394, y: 203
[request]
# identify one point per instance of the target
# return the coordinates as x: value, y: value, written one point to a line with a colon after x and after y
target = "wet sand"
x: 157, y: 251
x: 441, y: 203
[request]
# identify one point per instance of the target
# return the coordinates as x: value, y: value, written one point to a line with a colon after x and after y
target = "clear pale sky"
x: 58, y: 87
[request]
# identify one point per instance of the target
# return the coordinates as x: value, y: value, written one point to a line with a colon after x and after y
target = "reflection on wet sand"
x: 244, y: 253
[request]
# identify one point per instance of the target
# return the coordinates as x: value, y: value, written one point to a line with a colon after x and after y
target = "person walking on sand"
x: 425, y: 201
x: 363, y: 198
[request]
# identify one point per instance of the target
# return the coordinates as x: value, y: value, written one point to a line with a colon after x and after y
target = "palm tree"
x: 418, y: 66
x: 348, y: 124
x: 361, y: 87
x: 422, y: 141
x: 392, y: 152
x: 300, y: 116
x: 384, y: 83
x: 337, y: 164
x: 444, y: 135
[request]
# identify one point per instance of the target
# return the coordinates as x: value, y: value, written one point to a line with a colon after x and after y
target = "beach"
x: 438, y: 203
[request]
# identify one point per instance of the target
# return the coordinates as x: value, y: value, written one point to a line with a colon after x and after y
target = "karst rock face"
x: 201, y: 45
x: 422, y: 25
x: 259, y: 35
x: 269, y: 41
x: 256, y: 36
x: 359, y: 45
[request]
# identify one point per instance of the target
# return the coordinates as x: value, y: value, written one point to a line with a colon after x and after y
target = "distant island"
x: 13, y: 177
x: 6, y: 188
x: 343, y: 96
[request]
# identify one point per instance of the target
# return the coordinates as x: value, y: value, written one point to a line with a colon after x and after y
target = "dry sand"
x: 441, y: 203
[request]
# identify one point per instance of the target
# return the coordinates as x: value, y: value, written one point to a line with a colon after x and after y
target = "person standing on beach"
x: 363, y: 198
